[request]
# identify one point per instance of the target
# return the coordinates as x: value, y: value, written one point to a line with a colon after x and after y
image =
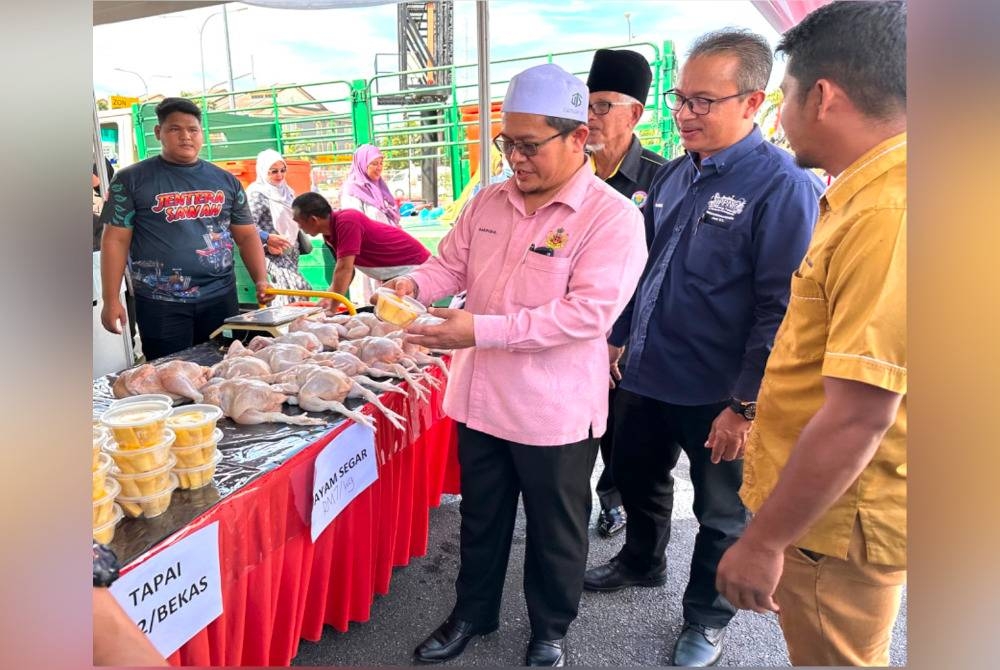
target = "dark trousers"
x: 649, y: 436
x: 606, y: 490
x: 554, y: 483
x: 168, y: 327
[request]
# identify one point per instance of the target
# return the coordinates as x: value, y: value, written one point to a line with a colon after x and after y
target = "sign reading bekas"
x: 176, y: 593
x: 344, y: 469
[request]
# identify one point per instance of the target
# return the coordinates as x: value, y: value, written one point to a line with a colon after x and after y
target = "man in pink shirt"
x: 377, y: 250
x: 549, y: 259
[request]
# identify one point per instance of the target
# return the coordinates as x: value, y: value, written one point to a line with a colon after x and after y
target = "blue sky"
x: 279, y: 46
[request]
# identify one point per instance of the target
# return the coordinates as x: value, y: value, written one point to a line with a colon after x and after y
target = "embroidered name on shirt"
x: 189, y: 204
x: 725, y: 206
x: 487, y: 230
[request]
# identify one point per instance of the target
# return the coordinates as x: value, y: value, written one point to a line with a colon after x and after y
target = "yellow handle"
x: 313, y: 294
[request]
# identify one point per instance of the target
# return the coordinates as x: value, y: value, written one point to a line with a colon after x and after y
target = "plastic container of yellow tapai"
x: 196, y: 477
x: 198, y: 454
x: 104, y: 465
x: 151, y: 505
x: 137, y: 425
x: 102, y: 505
x: 136, y: 485
x: 105, y: 532
x: 100, y: 435
x: 193, y: 424
x: 398, y: 310
x: 134, y: 461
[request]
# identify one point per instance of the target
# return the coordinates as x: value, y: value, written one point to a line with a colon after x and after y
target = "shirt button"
x: 677, y: 228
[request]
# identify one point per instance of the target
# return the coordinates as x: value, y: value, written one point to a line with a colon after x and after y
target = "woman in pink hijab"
x: 365, y: 190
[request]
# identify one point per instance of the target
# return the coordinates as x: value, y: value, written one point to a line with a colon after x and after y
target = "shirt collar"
x: 722, y: 161
x: 629, y: 165
x: 571, y: 194
x: 877, y: 161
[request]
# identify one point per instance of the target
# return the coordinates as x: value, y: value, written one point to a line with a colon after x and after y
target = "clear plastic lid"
x: 136, y: 414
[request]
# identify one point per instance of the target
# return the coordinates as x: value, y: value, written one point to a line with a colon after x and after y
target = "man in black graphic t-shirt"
x: 175, y: 218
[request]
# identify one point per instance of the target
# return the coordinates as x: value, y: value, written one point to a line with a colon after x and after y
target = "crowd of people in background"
x: 740, y: 311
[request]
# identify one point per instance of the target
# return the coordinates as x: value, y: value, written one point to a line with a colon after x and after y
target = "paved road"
x: 634, y: 627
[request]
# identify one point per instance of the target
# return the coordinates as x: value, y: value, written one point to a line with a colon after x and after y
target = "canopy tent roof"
x: 783, y: 14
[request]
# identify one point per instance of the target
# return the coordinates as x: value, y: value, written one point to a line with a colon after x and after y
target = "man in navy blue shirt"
x: 727, y: 224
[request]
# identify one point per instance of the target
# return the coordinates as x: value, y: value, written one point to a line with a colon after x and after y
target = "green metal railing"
x: 324, y: 122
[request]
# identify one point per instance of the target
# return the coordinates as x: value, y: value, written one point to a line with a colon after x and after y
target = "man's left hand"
x: 457, y: 331
x: 263, y: 298
x: 748, y: 575
x: 728, y: 437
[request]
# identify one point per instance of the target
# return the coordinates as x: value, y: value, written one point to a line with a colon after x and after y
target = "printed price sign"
x: 345, y: 468
x: 176, y: 593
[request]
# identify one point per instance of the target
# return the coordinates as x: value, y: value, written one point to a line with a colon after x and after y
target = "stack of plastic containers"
x: 106, y: 513
x: 195, y: 447
x: 139, y: 442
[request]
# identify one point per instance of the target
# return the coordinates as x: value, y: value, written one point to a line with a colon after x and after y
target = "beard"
x: 593, y: 148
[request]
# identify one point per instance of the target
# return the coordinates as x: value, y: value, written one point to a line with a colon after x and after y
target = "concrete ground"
x: 634, y: 627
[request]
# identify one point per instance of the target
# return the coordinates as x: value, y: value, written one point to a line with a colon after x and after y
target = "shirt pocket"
x: 714, y: 253
x: 803, y: 332
x: 540, y: 280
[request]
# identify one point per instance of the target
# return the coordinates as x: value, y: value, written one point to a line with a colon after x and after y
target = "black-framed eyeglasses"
x: 602, y: 107
x: 696, y: 105
x: 526, y: 149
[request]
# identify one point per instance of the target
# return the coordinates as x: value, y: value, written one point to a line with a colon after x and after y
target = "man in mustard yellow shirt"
x: 825, y: 467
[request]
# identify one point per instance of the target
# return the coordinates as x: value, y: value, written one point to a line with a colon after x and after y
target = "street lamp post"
x: 628, y: 20
x: 144, y: 86
x: 201, y: 45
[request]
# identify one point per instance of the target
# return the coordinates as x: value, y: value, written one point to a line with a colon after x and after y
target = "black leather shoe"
x: 611, y: 521
x: 546, y: 652
x: 698, y: 646
x: 448, y: 641
x: 614, y: 576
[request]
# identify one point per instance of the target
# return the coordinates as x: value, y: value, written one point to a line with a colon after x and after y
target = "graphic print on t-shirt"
x: 164, y: 285
x: 178, y: 206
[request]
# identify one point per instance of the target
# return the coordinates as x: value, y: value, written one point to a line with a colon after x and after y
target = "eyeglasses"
x: 277, y: 170
x: 696, y: 105
x: 603, y: 107
x: 526, y: 149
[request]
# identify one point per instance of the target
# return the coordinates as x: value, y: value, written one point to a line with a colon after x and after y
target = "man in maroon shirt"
x: 378, y: 250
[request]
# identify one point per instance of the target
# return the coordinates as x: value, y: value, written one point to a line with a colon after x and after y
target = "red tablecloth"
x: 278, y: 586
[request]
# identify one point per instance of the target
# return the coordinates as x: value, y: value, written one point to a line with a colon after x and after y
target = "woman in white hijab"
x: 270, y: 200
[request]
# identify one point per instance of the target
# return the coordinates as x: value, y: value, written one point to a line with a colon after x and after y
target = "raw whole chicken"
x: 302, y: 338
x: 385, y: 353
x: 241, y: 366
x: 183, y: 378
x: 280, y: 357
x: 354, y: 367
x: 251, y: 401
x: 422, y: 356
x: 237, y: 349
x: 376, y: 326
x: 138, y: 380
x: 329, y: 334
x: 258, y: 342
x: 319, y: 388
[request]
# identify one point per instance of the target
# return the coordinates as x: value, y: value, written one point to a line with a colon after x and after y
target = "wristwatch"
x: 106, y: 565
x: 748, y: 410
